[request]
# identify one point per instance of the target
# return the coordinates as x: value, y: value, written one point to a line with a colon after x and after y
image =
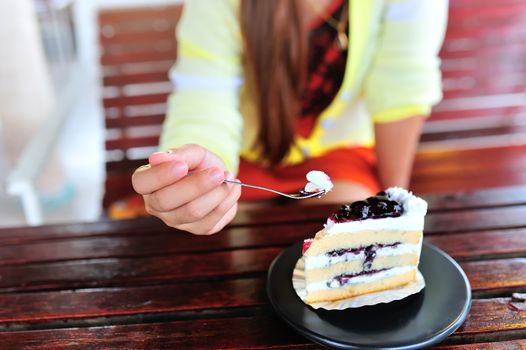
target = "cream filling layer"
x: 333, y: 283
x: 320, y: 261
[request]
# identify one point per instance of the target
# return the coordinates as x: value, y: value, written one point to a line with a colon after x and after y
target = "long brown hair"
x: 275, y: 60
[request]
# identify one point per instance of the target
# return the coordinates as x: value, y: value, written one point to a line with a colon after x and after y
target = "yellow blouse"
x: 392, y: 72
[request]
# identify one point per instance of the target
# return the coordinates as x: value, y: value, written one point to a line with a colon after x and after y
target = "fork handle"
x: 254, y: 186
x: 291, y: 196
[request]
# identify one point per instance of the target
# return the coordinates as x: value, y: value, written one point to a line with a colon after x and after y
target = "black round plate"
x: 415, y: 322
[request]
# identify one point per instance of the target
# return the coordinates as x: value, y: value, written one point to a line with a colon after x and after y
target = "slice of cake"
x: 365, y: 247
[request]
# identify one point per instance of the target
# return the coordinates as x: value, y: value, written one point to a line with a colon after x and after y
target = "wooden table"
x: 140, y: 285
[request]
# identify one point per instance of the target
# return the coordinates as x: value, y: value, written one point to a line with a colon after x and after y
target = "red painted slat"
x: 125, y: 101
x: 129, y: 142
x: 107, y: 60
x: 137, y: 78
x: 126, y: 122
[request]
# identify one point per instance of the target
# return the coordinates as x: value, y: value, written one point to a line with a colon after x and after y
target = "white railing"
x: 21, y: 179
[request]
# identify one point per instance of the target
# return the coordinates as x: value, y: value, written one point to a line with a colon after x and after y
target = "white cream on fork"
x: 318, y: 181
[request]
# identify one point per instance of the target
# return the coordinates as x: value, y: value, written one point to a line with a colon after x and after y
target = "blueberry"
x: 358, y: 204
x: 380, y: 208
x: 365, y: 212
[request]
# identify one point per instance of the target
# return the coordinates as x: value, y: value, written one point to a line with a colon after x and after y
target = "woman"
x: 269, y: 89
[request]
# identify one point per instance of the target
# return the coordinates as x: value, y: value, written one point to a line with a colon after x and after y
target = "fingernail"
x: 216, y: 175
x: 179, y: 168
x: 143, y: 167
x: 160, y: 153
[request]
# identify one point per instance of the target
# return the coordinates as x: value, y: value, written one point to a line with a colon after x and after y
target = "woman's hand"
x: 184, y: 188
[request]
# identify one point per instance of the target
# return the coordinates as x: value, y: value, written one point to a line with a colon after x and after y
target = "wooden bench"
x: 138, y: 47
x: 475, y: 138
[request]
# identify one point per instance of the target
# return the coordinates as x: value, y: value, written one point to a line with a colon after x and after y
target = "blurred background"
x: 62, y: 62
x: 83, y: 85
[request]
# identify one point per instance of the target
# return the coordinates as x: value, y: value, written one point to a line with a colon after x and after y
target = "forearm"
x: 396, y: 144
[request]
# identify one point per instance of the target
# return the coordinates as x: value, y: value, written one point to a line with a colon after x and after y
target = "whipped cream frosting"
x: 415, y: 209
x: 318, y: 181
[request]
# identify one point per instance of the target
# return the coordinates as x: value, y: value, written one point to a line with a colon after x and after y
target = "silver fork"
x: 304, y: 195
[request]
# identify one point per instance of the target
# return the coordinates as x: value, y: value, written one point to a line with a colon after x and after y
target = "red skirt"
x: 357, y: 165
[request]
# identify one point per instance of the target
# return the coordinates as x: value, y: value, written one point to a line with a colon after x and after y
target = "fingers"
x: 194, y: 156
x: 224, y: 210
x: 166, y: 168
x: 218, y: 218
x: 148, y: 179
x: 225, y: 219
x: 185, y: 190
x: 202, y: 206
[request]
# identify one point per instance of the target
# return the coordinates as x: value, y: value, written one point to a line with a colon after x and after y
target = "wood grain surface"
x: 138, y: 284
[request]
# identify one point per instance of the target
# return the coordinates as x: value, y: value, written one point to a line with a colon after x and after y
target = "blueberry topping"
x: 377, y: 207
x: 380, y: 206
